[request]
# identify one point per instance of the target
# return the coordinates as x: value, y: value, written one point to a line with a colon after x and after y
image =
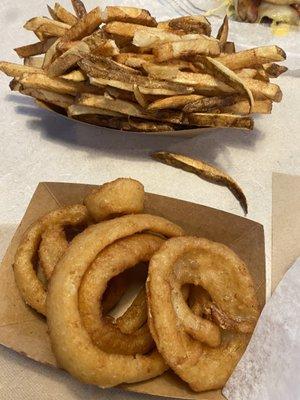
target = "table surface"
x: 39, y: 146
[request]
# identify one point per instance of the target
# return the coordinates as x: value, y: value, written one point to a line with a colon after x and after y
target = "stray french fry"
x: 203, y: 170
x: 128, y: 14
x: 205, y: 104
x: 75, y: 109
x: 60, y: 100
x: 85, y: 26
x: 227, y: 76
x: 274, y: 70
x: 68, y: 59
x: 223, y: 33
x: 185, y: 48
x: 253, y: 57
x: 17, y: 70
x: 75, y: 76
x: 56, y: 85
x: 35, y: 48
x: 174, y: 102
x: 64, y: 15
x: 191, y: 24
x: 79, y: 8
x: 36, y: 62
x: 243, y: 108
x: 221, y: 120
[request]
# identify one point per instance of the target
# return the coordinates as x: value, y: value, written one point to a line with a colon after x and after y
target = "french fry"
x: 191, y: 24
x: 75, y: 76
x: 221, y: 120
x: 247, y: 73
x: 148, y: 126
x: 253, y: 57
x: 34, y: 23
x: 274, y: 70
x: 52, y: 13
x: 127, y: 108
x: 64, y: 15
x: 139, y: 96
x: 203, y: 170
x: 150, y: 39
x: 61, y: 47
x: 174, y: 102
x: 184, y: 48
x: 119, y: 94
x: 222, y: 35
x: 68, y: 59
x: 36, y: 62
x: 227, y: 76
x: 229, y: 48
x: 205, y: 104
x: 35, y: 48
x: 265, y: 89
x: 164, y: 25
x: 17, y: 70
x: 243, y: 108
x: 60, y: 100
x: 49, y: 30
x: 128, y: 14
x: 15, y: 85
x: 106, y: 48
x: 84, y: 27
x: 51, y: 54
x: 75, y: 109
x: 133, y: 60
x: 57, y: 85
x: 94, y: 63
x: 79, y: 8
x: 128, y: 30
x: 262, y: 75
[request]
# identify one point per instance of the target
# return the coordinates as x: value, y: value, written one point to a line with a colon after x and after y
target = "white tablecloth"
x: 39, y: 146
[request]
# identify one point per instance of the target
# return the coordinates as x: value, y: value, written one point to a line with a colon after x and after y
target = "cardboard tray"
x: 24, y: 331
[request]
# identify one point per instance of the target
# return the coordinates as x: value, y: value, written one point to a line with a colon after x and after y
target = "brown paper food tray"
x: 24, y: 331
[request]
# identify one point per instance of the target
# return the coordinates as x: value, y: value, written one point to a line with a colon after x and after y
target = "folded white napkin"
x: 270, y: 367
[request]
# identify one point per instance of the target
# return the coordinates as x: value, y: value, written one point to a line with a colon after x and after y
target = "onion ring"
x: 104, y: 332
x: 30, y: 287
x: 116, y: 198
x: 71, y: 343
x: 53, y: 245
x: 225, y: 277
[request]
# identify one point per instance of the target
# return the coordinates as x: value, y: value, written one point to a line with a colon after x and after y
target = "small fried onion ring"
x: 53, y: 245
x: 30, y: 287
x: 113, y: 260
x: 225, y: 277
x: 116, y: 198
x: 71, y: 343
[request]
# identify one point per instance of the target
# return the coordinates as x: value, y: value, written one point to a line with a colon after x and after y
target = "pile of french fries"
x: 121, y: 69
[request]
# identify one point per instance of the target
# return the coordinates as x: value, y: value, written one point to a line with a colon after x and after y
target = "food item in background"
x: 31, y: 289
x: 204, y: 170
x: 106, y: 332
x: 147, y: 64
x: 276, y: 11
x: 213, y: 266
x: 116, y: 198
x: 199, y: 301
x: 72, y: 345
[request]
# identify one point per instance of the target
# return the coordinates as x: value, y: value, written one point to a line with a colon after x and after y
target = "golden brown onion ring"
x: 225, y: 277
x: 113, y: 260
x: 53, y: 245
x: 116, y: 198
x: 30, y: 287
x: 71, y: 343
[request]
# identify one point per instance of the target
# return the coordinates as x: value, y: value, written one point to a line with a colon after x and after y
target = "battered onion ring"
x: 30, y: 287
x: 71, y: 343
x: 116, y: 198
x: 113, y: 260
x: 53, y: 245
x: 225, y: 277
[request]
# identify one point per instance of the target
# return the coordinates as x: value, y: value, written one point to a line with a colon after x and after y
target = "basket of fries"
x: 119, y: 68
